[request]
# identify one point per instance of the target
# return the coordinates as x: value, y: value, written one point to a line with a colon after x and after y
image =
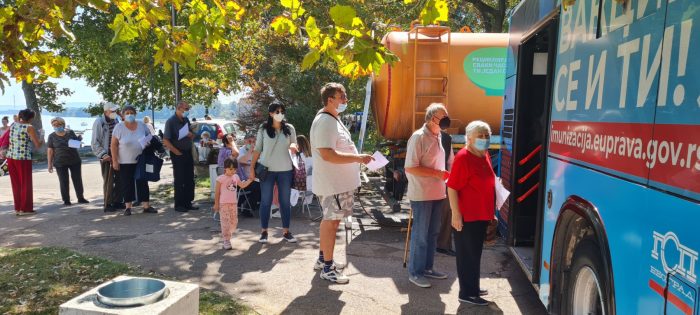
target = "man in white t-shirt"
x: 336, y: 174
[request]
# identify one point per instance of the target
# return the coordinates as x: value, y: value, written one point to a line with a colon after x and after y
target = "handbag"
x: 148, y: 167
x: 260, y: 169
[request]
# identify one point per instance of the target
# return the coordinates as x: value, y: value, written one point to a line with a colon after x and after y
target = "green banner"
x: 486, y: 68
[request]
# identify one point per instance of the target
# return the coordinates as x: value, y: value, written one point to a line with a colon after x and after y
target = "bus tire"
x: 587, y: 285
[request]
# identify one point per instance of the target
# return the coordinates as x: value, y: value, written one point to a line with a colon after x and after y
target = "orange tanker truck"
x: 464, y: 71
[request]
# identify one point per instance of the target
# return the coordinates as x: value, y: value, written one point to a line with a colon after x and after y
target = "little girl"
x: 226, y: 199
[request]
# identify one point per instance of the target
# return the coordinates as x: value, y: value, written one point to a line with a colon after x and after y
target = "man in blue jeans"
x: 426, y: 172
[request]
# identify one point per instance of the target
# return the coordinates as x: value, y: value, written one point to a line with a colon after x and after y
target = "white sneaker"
x: 335, y: 276
x: 336, y: 265
x: 275, y: 214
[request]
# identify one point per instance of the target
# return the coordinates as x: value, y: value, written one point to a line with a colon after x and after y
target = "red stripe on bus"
x: 531, y: 155
x: 675, y: 300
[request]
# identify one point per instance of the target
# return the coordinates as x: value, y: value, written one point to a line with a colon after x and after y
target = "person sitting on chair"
x: 253, y: 190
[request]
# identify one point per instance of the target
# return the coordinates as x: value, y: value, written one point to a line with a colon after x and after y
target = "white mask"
x: 342, y: 107
x: 278, y: 117
x: 112, y: 115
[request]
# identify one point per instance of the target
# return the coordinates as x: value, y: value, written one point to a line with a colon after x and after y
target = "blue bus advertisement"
x: 601, y: 151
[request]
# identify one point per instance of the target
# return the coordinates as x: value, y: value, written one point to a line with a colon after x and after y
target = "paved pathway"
x: 274, y: 278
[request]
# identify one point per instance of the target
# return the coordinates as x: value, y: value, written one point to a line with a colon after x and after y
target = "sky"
x: 82, y: 93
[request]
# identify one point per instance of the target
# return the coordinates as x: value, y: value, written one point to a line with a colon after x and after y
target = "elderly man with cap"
x: 245, y: 156
x: 102, y: 130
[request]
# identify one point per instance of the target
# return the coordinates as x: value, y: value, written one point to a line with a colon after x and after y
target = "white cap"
x: 110, y: 106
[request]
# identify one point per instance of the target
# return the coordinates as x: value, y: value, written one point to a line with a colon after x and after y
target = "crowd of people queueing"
x: 265, y: 167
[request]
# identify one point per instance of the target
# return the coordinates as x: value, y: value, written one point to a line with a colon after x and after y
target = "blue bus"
x: 601, y: 153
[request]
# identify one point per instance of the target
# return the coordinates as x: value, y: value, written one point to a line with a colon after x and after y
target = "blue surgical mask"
x: 481, y: 144
x: 342, y: 107
x: 130, y: 118
x: 185, y: 114
x: 59, y: 129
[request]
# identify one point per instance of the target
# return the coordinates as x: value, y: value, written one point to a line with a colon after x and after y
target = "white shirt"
x: 330, y: 178
x: 129, y: 146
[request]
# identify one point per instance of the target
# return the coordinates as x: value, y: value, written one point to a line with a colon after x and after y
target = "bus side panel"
x: 674, y: 155
x: 652, y: 235
x: 505, y: 169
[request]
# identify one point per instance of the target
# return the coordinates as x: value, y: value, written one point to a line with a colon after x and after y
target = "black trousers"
x: 64, y: 183
x: 130, y: 187
x: 183, y: 173
x: 469, y: 244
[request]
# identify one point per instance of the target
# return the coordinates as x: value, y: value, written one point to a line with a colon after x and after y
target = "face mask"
x: 112, y: 115
x: 59, y: 129
x: 481, y: 144
x: 342, y: 107
x: 278, y: 117
x: 130, y: 118
x: 445, y: 123
x: 185, y: 113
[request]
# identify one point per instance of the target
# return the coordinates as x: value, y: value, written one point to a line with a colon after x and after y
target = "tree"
x: 204, y: 29
x: 125, y: 74
x: 491, y: 13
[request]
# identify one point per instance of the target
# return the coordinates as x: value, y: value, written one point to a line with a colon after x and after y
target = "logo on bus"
x: 675, y: 257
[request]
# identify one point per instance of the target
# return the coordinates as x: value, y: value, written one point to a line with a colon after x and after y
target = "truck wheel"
x: 586, y: 283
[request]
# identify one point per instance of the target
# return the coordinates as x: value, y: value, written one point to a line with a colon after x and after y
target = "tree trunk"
x: 32, y: 103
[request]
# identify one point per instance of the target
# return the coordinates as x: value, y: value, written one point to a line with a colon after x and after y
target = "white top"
x: 129, y: 147
x: 329, y: 178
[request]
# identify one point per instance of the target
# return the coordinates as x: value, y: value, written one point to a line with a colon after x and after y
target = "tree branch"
x: 484, y: 8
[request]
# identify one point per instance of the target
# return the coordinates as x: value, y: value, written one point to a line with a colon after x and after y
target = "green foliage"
x: 47, y: 94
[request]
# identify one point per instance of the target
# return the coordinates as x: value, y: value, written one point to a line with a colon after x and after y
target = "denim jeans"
x: 424, y: 234
x: 284, y: 189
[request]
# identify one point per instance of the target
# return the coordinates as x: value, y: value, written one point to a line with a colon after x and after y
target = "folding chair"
x: 244, y: 201
x: 306, y: 207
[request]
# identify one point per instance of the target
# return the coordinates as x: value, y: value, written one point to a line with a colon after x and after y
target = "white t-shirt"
x: 129, y: 146
x: 330, y: 178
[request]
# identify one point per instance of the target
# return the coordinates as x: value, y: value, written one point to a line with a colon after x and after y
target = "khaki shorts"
x: 337, y: 207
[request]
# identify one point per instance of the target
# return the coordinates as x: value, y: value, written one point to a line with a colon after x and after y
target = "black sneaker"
x: 289, y: 237
x: 483, y: 292
x: 127, y: 211
x: 181, y: 209
x: 191, y: 207
x: 83, y: 200
x: 263, y: 237
x: 150, y: 210
x: 475, y: 300
x: 67, y: 203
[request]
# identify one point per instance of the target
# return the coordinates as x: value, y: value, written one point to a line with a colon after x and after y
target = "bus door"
x: 523, y: 168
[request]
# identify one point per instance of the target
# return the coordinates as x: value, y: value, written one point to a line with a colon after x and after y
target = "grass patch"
x: 39, y: 280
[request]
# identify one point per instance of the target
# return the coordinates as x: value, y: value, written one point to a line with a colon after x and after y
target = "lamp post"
x: 176, y: 67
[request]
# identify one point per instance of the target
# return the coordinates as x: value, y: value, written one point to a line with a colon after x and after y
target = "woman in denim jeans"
x: 275, y: 139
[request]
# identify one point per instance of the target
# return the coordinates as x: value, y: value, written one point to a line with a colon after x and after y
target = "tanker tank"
x: 465, y: 71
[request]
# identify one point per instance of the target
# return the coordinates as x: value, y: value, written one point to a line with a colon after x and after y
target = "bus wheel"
x: 586, y: 286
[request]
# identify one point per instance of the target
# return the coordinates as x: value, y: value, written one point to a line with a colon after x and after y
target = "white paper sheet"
x: 295, y: 159
x: 75, y: 144
x: 501, y: 194
x: 294, y: 197
x: 184, y: 131
x: 149, y: 168
x: 145, y: 141
x: 379, y: 161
